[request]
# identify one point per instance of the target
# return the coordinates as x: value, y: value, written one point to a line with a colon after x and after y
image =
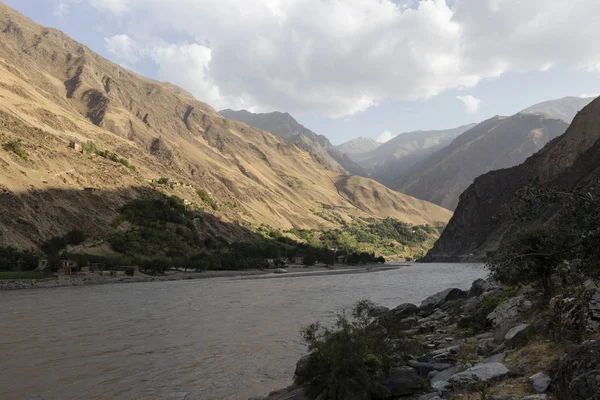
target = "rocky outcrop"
x: 477, y: 226
x: 480, y: 373
x: 403, y: 381
x: 442, y: 297
x: 540, y: 382
x: 578, y: 373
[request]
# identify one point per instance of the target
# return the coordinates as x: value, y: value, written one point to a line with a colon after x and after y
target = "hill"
x: 81, y: 137
x: 499, y: 142
x: 287, y: 128
x: 568, y: 161
x: 564, y: 109
x: 358, y: 146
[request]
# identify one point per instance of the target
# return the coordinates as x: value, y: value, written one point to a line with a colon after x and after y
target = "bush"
x: 16, y: 147
x: 130, y: 271
x: 207, y: 199
x: 309, y: 260
x: 380, y: 260
x: 55, y: 245
x: 349, y: 361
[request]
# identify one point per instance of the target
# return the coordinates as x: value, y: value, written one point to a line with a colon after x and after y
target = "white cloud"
x: 587, y: 95
x: 124, y: 48
x: 471, y: 103
x: 340, y: 57
x: 61, y: 7
x: 385, y: 136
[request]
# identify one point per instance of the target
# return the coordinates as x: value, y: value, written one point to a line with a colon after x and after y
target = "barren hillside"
x: 55, y: 92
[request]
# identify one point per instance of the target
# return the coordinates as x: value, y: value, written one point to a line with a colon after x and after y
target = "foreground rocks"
x: 442, y: 358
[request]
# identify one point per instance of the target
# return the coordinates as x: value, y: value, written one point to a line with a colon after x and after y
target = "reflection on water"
x: 212, y: 338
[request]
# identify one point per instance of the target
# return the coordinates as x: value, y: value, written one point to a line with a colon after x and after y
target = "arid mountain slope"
x: 358, y: 146
x: 499, y: 142
x: 570, y: 160
x: 565, y: 108
x: 55, y: 91
x: 287, y: 128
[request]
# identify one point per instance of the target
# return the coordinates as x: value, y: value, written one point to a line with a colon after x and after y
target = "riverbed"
x: 221, y: 338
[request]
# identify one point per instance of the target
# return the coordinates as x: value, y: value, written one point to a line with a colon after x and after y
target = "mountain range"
x: 81, y: 136
x: 569, y: 161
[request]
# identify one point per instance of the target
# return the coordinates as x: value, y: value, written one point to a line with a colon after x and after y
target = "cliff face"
x: 571, y: 160
x: 499, y: 142
x: 55, y: 91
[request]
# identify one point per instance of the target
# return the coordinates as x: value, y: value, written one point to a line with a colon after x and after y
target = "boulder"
x: 425, y: 368
x: 442, y: 297
x: 508, y: 311
x: 378, y: 311
x: 486, y: 348
x: 399, y: 319
x: 496, y: 358
x: 403, y: 381
x: 446, y: 374
x: 479, y: 287
x: 518, y: 335
x: 540, y: 382
x: 302, y: 366
x: 578, y: 373
x: 480, y: 373
x: 441, y: 386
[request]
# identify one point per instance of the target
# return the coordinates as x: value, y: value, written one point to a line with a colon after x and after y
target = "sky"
x: 348, y: 68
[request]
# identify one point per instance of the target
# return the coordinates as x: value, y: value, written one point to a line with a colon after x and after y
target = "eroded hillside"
x: 128, y: 132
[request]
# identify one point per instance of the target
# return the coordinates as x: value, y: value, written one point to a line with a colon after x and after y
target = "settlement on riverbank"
x: 83, y: 279
x: 491, y: 342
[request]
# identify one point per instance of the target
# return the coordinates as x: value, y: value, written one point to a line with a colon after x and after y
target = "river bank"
x: 490, y: 342
x: 88, y: 279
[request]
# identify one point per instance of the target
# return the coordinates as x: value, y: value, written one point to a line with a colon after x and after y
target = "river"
x: 221, y: 338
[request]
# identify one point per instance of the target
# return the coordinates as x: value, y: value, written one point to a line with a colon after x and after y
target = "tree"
x: 328, y: 257
x: 348, y: 361
x: 555, y: 234
x: 309, y: 260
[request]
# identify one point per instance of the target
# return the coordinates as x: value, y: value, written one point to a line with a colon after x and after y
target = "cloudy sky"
x: 348, y: 68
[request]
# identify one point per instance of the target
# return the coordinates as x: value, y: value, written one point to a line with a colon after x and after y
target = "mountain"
x: 499, y: 142
x: 287, y: 128
x: 565, y: 108
x: 358, y: 146
x: 80, y: 137
x: 569, y: 161
x: 392, y: 158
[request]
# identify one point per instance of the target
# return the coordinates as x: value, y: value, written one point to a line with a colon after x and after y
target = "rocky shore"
x: 490, y: 342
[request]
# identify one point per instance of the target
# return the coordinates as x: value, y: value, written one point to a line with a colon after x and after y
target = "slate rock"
x: 480, y: 373
x: 442, y: 297
x: 535, y: 397
x: 540, y: 382
x: 509, y: 311
x: 518, y: 335
x: 302, y: 366
x: 403, y: 381
x: 479, y: 287
x: 496, y: 358
x: 425, y: 368
x: 378, y: 311
x: 441, y: 386
x: 447, y: 373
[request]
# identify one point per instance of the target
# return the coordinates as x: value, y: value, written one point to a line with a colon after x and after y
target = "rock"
x: 378, y: 311
x: 486, y: 348
x: 403, y: 381
x: 429, y: 396
x: 508, y: 311
x: 470, y: 307
x: 479, y: 287
x: 446, y: 350
x: 425, y: 368
x: 442, y: 297
x: 502, y: 397
x: 540, y: 382
x: 446, y: 374
x: 397, y: 319
x: 496, y: 358
x: 480, y: 373
x: 518, y: 335
x: 578, y: 373
x: 592, y: 321
x: 302, y: 366
x: 535, y: 397
x: 441, y: 386
x: 280, y: 271
x: 289, y: 393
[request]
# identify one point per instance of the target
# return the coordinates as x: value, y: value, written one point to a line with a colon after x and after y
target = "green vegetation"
x: 349, y: 361
x: 55, y: 245
x: 12, y: 259
x: 489, y: 303
x: 565, y: 247
x: 10, y: 276
x: 207, y: 199
x: 90, y: 147
x: 16, y: 147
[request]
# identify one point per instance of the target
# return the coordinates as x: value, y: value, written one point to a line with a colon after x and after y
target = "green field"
x: 21, y: 275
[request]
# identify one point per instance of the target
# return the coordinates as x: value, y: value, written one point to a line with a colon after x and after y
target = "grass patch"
x: 13, y: 276
x: 490, y: 303
x: 90, y: 147
x: 16, y: 147
x: 207, y: 198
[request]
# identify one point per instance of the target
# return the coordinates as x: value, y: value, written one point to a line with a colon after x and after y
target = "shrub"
x: 130, y: 271
x: 16, y: 147
x: 380, y: 260
x: 207, y: 199
x: 56, y: 244
x: 348, y: 361
x: 309, y: 260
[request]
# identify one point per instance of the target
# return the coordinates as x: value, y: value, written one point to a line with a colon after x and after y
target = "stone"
x: 378, y: 311
x: 442, y: 297
x: 302, y: 366
x: 280, y: 271
x: 429, y: 396
x: 403, y: 381
x: 578, y: 373
x: 496, y: 358
x: 470, y: 307
x: 479, y: 287
x: 508, y: 311
x: 396, y: 319
x: 535, y: 397
x: 425, y: 368
x: 518, y: 335
x: 592, y: 321
x: 441, y: 386
x: 486, y: 348
x: 540, y: 382
x: 446, y: 374
x: 289, y: 393
x: 480, y: 373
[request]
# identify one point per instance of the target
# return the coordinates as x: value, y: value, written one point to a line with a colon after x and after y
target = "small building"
x: 67, y: 267
x: 76, y: 146
x: 270, y: 261
x: 92, y: 190
x: 42, y: 265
